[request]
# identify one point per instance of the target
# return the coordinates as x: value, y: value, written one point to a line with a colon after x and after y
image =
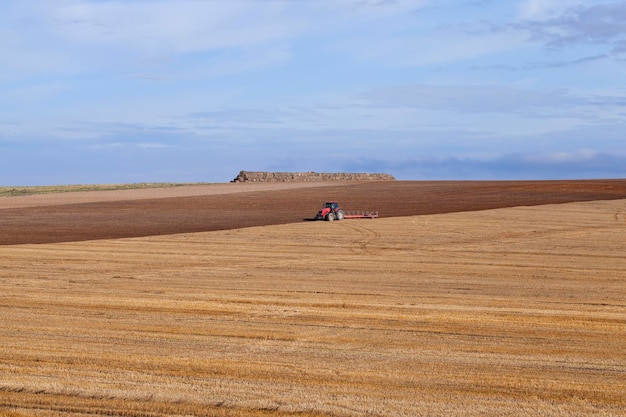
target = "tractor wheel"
x: 330, y: 216
x: 339, y: 214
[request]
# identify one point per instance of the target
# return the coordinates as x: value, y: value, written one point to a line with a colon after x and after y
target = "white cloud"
x: 127, y: 145
x: 534, y: 165
x: 470, y: 99
x: 382, y: 7
x: 34, y: 93
x: 544, y: 9
x: 418, y: 50
x: 580, y: 155
x: 173, y: 26
x: 184, y: 26
x: 71, y: 37
x: 577, y: 23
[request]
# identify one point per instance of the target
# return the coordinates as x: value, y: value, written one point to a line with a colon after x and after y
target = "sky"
x: 127, y: 91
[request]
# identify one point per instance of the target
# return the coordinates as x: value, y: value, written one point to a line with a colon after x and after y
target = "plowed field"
x: 68, y: 217
x: 503, y: 311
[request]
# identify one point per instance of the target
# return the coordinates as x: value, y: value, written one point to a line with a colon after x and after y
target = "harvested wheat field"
x: 510, y: 311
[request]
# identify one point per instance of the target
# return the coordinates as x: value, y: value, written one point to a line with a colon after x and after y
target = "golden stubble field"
x: 518, y: 311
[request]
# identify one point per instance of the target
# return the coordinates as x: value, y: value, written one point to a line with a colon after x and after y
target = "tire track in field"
x: 364, y: 239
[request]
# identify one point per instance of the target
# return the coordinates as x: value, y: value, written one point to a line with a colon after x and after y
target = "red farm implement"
x: 360, y: 215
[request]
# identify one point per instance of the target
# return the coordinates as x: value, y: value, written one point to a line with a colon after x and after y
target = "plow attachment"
x: 360, y: 215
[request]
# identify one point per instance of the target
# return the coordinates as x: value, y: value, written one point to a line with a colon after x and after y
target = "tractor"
x: 330, y: 212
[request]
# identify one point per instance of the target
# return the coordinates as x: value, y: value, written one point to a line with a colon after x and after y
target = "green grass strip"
x: 10, y: 191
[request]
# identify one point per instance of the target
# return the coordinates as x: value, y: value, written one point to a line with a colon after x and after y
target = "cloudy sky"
x: 103, y: 91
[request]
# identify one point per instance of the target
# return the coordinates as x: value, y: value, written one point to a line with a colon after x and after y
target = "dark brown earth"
x: 66, y: 221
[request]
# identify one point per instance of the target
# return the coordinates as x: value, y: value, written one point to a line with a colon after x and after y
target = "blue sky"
x: 98, y: 91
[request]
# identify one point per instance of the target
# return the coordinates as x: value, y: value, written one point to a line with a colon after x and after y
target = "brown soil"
x: 135, y: 213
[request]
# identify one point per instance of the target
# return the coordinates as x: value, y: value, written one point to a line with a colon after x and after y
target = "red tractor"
x: 330, y: 212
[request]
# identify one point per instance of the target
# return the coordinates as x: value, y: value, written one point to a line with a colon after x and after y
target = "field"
x: 174, y: 303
